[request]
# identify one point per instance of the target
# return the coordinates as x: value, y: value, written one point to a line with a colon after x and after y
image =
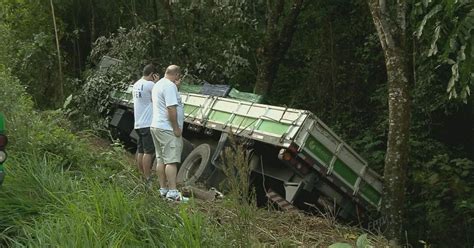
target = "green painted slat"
x: 243, y: 121
x: 189, y: 109
x: 319, y: 150
x: 219, y: 116
x: 248, y: 122
x: 345, y: 172
x: 273, y: 127
x: 370, y: 193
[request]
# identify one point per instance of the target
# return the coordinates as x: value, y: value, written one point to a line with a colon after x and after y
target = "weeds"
x: 242, y: 201
x: 45, y: 205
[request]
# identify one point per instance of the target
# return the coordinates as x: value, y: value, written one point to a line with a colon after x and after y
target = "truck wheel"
x: 197, y: 166
x: 187, y: 149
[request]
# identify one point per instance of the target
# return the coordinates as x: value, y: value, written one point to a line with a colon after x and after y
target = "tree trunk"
x: 92, y: 23
x: 396, y: 158
x: 391, y: 29
x: 171, y: 19
x: 60, y: 88
x: 275, y: 43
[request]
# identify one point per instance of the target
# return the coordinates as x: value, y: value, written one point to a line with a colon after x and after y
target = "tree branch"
x: 60, y: 96
x: 289, y: 27
x: 401, y: 17
x: 378, y: 8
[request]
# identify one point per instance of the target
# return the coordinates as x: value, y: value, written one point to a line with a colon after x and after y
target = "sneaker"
x: 175, y: 195
x: 163, y: 192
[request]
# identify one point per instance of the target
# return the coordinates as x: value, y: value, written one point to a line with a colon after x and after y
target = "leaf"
x: 434, y: 48
x: 362, y: 241
x: 67, y: 102
x: 461, y: 54
x: 340, y: 245
x: 454, y: 78
x: 430, y: 14
x: 453, y: 43
x: 433, y: 179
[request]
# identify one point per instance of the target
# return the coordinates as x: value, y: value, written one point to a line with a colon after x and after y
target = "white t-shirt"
x: 142, y: 106
x: 165, y: 94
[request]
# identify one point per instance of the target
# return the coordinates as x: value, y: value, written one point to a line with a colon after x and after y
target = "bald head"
x: 173, y: 70
x: 173, y: 73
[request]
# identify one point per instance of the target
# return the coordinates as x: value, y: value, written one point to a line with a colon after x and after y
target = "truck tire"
x: 197, y: 166
x: 188, y: 147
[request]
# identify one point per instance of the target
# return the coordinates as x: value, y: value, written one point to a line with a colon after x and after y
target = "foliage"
x: 443, y: 189
x: 209, y: 28
x: 28, y: 48
x: 95, y: 209
x: 362, y: 242
x: 16, y: 105
x: 132, y: 48
x: 447, y: 27
x: 242, y: 201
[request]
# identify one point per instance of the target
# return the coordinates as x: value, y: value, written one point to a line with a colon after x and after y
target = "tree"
x: 390, y: 21
x: 275, y: 42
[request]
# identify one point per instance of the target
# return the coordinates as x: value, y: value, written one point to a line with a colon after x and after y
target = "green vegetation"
x: 333, y: 67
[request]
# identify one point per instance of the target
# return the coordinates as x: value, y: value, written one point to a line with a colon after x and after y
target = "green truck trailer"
x: 292, y: 153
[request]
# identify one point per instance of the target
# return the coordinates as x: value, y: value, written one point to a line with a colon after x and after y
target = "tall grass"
x: 240, y: 199
x: 44, y: 205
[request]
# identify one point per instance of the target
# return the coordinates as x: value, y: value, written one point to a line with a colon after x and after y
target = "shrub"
x: 92, y: 101
x: 443, y: 189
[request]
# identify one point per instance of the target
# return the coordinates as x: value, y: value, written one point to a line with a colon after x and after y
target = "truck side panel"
x: 270, y: 124
x: 339, y: 162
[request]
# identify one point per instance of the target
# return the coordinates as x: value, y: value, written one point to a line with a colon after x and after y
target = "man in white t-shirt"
x: 142, y: 109
x: 166, y: 128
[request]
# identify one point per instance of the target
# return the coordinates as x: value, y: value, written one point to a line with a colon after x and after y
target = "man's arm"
x: 172, y: 117
x: 171, y: 102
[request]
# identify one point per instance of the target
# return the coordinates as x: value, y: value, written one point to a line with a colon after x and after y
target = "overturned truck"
x: 295, y: 158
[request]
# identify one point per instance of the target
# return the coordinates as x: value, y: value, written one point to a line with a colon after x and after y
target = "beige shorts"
x: 168, y: 147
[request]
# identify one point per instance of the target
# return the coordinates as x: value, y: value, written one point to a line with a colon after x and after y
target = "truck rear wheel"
x: 197, y: 166
x: 187, y: 149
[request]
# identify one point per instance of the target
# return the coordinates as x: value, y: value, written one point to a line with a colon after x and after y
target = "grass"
x: 44, y: 205
x: 240, y: 201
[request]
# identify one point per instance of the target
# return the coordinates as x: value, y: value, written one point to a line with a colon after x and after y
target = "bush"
x: 444, y: 199
x: 17, y: 107
x: 92, y: 102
